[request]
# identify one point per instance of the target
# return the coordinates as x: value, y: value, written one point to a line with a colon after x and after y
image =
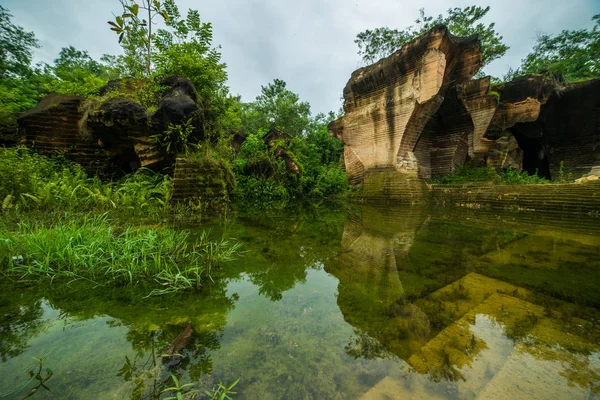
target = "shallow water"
x: 366, y: 303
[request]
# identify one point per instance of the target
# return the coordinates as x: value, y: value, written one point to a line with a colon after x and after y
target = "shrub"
x: 32, y: 181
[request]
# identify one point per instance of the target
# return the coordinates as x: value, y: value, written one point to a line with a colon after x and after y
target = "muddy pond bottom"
x: 366, y: 303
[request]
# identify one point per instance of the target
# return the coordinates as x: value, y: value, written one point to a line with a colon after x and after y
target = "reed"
x: 91, y: 248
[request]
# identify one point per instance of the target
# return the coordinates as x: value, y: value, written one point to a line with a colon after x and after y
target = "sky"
x: 307, y: 43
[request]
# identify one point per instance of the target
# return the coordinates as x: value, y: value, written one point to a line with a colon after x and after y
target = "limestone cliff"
x: 110, y: 134
x: 388, y: 104
x: 418, y: 114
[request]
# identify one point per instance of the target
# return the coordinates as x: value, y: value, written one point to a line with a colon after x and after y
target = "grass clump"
x: 470, y: 173
x: 29, y: 181
x: 93, y: 249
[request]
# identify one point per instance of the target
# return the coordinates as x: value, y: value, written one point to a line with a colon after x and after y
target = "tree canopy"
x: 279, y: 108
x: 575, y: 54
x: 467, y: 21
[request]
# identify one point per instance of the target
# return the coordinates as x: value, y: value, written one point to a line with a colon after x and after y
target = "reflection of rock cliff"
x: 371, y: 294
x: 418, y: 113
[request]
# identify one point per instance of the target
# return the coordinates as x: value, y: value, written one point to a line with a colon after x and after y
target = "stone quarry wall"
x: 388, y: 104
x: 110, y: 135
x: 565, y: 198
x: 200, y: 183
x: 418, y: 113
x: 54, y: 125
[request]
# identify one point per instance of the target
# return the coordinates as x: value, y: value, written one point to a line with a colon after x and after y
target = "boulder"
x: 122, y: 128
x: 178, y: 104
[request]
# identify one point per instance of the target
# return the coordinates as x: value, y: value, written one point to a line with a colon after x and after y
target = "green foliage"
x: 18, y: 89
x: 16, y: 47
x: 74, y: 72
x: 175, y: 140
x: 381, y: 42
x: 276, y: 108
x: 475, y: 173
x: 34, y: 182
x: 222, y: 392
x: 262, y: 173
x: 138, y: 30
x: 92, y: 249
x: 180, y: 390
x: 575, y: 54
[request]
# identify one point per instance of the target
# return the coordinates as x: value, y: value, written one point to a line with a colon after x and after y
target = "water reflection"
x: 371, y: 303
x: 475, y: 307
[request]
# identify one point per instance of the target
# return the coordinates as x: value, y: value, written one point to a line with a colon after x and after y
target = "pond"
x: 359, y: 303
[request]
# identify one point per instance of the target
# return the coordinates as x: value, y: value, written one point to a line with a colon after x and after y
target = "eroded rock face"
x: 55, y: 125
x: 116, y: 133
x: 481, y: 107
x: 388, y: 104
x: 571, y: 133
x: 418, y: 114
x: 553, y: 123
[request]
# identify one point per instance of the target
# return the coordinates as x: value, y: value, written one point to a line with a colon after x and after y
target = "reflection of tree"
x: 281, y: 250
x: 18, y: 323
x: 364, y: 346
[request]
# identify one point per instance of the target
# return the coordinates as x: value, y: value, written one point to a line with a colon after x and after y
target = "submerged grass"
x: 93, y: 249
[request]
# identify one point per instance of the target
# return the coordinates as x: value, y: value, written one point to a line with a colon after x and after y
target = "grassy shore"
x: 91, y: 248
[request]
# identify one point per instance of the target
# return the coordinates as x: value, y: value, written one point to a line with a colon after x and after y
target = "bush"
x: 473, y: 173
x: 32, y: 181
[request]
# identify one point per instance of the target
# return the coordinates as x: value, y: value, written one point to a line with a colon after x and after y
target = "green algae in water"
x: 373, y: 303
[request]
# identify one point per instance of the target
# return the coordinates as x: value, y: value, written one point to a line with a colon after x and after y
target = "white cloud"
x: 309, y: 44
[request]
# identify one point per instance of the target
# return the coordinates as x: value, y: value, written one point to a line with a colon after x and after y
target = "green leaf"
x: 135, y: 9
x: 121, y: 37
x: 113, y: 24
x: 120, y: 21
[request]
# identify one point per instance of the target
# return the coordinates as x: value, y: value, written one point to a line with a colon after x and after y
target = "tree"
x: 381, y: 42
x: 75, y: 72
x: 16, y: 47
x: 137, y: 30
x: 279, y: 108
x: 18, y: 90
x: 573, y: 54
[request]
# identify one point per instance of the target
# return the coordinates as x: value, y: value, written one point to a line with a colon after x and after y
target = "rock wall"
x: 388, y: 104
x: 110, y: 135
x: 54, y: 125
x: 418, y: 114
x: 201, y: 183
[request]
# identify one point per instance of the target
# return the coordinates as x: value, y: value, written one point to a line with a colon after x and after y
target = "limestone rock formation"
x: 388, y: 104
x: 111, y: 133
x: 54, y: 125
x: 418, y: 114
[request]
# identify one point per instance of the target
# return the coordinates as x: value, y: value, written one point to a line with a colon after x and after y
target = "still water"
x: 361, y: 303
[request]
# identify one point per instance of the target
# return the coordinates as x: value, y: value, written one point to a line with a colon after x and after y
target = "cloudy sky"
x: 307, y: 43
